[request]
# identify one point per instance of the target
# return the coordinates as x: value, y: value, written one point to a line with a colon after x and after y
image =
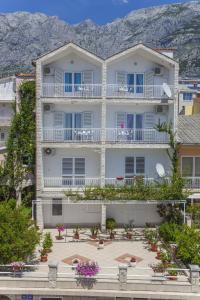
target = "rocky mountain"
x: 24, y: 36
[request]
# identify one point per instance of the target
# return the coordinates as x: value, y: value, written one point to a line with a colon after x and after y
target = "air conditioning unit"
x: 49, y: 71
x: 48, y: 107
x: 50, y: 151
x: 161, y: 109
x: 158, y: 71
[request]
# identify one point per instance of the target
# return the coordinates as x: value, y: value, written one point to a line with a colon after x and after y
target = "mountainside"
x: 24, y: 36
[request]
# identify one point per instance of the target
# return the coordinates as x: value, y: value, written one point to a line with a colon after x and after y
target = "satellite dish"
x: 160, y: 170
x: 167, y: 90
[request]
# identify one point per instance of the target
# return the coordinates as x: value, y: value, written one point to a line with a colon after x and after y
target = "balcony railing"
x: 192, y: 182
x: 71, y: 90
x: 67, y: 182
x: 7, y: 96
x: 5, y: 121
x: 139, y: 91
x: 141, y: 136
x: 112, y: 91
x: 78, y: 135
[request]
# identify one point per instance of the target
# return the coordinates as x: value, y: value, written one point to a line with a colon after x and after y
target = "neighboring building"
x: 188, y: 89
x: 95, y: 123
x: 9, y: 100
x: 189, y: 150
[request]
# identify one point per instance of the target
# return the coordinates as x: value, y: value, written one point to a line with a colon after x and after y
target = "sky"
x: 75, y: 11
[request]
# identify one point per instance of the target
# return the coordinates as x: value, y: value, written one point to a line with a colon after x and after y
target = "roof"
x: 100, y: 57
x: 189, y: 129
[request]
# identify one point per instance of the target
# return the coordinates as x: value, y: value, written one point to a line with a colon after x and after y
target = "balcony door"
x: 131, y: 125
x: 73, y: 171
x: 72, y: 82
x: 132, y: 82
x: 73, y: 122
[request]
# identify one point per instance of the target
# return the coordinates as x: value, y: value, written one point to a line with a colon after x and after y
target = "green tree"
x: 20, y: 157
x: 18, y: 234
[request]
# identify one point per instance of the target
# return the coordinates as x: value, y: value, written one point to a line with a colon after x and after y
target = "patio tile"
x: 69, y: 260
x: 124, y: 258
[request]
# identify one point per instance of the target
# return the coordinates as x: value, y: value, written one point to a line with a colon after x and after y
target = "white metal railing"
x: 5, y: 120
x: 192, y: 182
x: 137, y: 91
x: 70, y: 182
x: 71, y: 90
x: 72, y: 135
x: 120, y: 181
x: 126, y: 135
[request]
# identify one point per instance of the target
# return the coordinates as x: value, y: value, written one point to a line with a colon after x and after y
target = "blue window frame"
x: 72, y: 81
x: 139, y: 83
x: 135, y: 83
x: 187, y: 96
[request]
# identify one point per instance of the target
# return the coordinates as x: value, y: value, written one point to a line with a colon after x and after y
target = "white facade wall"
x: 115, y: 161
x: 75, y: 63
x: 104, y: 158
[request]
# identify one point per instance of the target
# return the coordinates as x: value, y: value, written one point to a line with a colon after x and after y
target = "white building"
x: 188, y: 89
x: 9, y: 100
x: 95, y: 122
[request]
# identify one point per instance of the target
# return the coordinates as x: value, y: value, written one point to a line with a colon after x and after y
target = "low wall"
x: 86, y: 214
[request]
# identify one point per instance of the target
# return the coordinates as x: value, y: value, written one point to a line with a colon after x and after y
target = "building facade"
x: 96, y: 120
x: 188, y: 90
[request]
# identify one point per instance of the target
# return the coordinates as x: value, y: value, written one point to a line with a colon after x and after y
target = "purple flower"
x: 88, y: 269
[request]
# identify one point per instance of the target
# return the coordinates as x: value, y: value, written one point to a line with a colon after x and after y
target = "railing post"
x: 194, y: 277
x: 123, y: 276
x: 52, y: 275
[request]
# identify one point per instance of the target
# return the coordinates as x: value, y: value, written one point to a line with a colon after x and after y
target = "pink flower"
x: 88, y: 269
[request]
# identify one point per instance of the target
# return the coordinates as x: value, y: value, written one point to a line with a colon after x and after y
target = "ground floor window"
x: 57, y: 207
x: 73, y: 171
x: 134, y: 166
x: 190, y: 166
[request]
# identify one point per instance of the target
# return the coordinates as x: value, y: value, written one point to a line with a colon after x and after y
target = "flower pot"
x: 132, y: 264
x: 101, y: 245
x: 93, y: 237
x: 76, y: 236
x: 172, y: 277
x: 43, y: 258
x: 129, y: 235
x: 154, y: 247
x: 59, y: 237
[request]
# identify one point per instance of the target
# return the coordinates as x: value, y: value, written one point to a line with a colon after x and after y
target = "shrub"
x: 169, y: 232
x: 18, y: 235
x: 48, y: 242
x: 111, y: 224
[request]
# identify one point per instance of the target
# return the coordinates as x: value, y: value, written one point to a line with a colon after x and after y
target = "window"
x: 191, y: 166
x: 73, y: 171
x: 57, y: 207
x: 187, y: 96
x: 134, y: 166
x: 135, y: 83
x: 2, y: 136
x: 72, y: 82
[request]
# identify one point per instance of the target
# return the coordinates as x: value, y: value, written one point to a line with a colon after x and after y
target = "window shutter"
x: 121, y: 119
x: 67, y: 166
x: 87, y: 119
x: 140, y: 165
x: 149, y: 81
x: 59, y: 82
x: 79, y: 166
x: 129, y: 165
x: 58, y: 119
x: 87, y: 77
x: 149, y: 120
x: 121, y: 78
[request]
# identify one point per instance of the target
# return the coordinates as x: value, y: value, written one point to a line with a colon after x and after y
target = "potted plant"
x: 43, y: 255
x: 75, y: 263
x: 133, y: 261
x: 101, y: 244
x: 60, y: 228
x: 47, y: 242
x: 129, y: 231
x: 120, y: 178
x: 77, y: 233
x: 17, y: 266
x: 110, y: 226
x: 158, y: 268
x: 154, y: 246
x: 166, y: 258
x: 94, y: 232
x: 172, y: 273
x: 87, y: 269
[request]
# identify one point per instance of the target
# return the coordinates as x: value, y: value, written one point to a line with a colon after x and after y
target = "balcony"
x: 192, y: 182
x: 113, y: 135
x: 136, y: 136
x: 78, y: 135
x: 71, y: 91
x: 139, y: 91
x: 78, y: 182
x: 5, y: 121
